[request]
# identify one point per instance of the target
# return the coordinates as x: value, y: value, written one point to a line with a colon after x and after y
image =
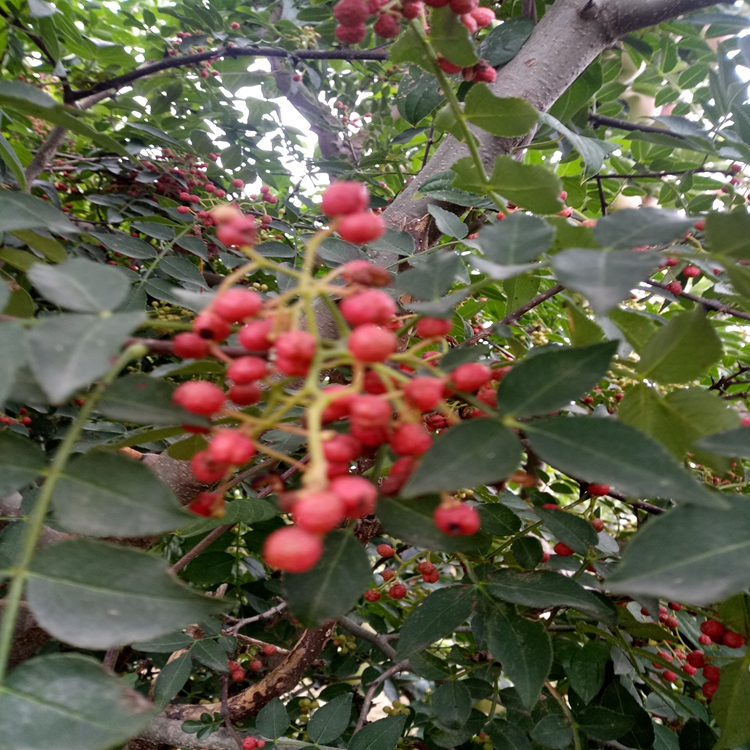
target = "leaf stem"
x: 36, y: 520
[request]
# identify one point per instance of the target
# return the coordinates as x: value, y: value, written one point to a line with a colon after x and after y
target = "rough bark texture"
x: 279, y: 681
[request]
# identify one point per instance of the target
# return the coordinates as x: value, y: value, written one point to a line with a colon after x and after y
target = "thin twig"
x: 225, y: 710
x: 602, y: 199
x: 659, y: 175
x: 430, y: 141
x: 373, y: 688
x: 255, y: 618
x: 709, y: 304
x: 367, y: 635
x: 255, y: 642
x: 110, y: 657
x: 613, y: 122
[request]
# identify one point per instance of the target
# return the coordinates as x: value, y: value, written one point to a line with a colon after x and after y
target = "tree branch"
x: 373, y: 688
x: 613, y: 122
x: 216, y: 54
x: 367, y: 635
x: 709, y: 304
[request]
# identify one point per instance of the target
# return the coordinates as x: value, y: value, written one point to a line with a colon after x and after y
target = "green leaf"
x: 583, y: 330
x: 523, y: 647
x: 14, y: 349
x: 637, y: 328
x: 550, y: 380
x: 439, y: 186
x: 592, y: 150
x: 498, y: 272
x: 734, y: 443
x: 408, y: 48
x: 273, y: 720
x: 21, y: 462
x: 578, y: 534
x: 729, y: 234
x: 451, y: 704
x: 334, y: 585
x: 329, y: 722
x: 606, y: 278
x: 418, y: 94
x: 165, y: 644
x: 697, y: 735
x: 70, y: 351
x: 209, y: 653
x: 49, y: 247
x: 23, y: 211
x: 80, y: 285
x: 617, y: 698
x: 507, y: 736
x: 603, y: 724
x: 447, y: 222
x: 515, y: 240
x: 382, y: 734
x: 499, y: 520
x: 451, y: 38
x: 501, y: 116
x: 503, y: 43
x: 668, y: 559
x: 70, y: 700
x: 682, y: 350
x: 588, y: 668
x: 145, y: 400
x: 9, y: 156
x: 634, y: 227
x: 610, y: 452
x: 248, y: 510
x: 412, y: 521
x: 527, y: 551
x: 552, y: 731
x: 131, y: 247
x: 480, y: 451
x: 579, y: 94
x: 108, y: 494
x: 544, y: 589
x: 735, y: 614
x: 154, y: 229
x: 435, y: 617
x: 172, y: 679
x: 95, y: 595
x: 431, y: 280
x: 530, y: 186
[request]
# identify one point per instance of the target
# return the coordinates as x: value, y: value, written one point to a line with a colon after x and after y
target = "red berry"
x: 245, y: 394
x: 338, y: 408
x: 372, y: 595
x: 249, y: 742
x: 238, y: 183
x: 563, y: 550
x: 597, y: 490
x: 374, y: 384
x: 203, y: 505
x: 457, y: 520
x: 370, y: 411
x: 424, y: 393
x: 199, y: 397
x: 318, y: 512
x: 675, y: 606
x: 189, y: 346
x: 269, y: 649
x: 370, y: 343
x: 712, y: 628
x: 231, y: 447
x: 365, y: 273
x: 370, y: 436
x: 385, y: 550
x: 210, y: 326
x: 397, y: 592
x: 446, y: 65
x: 484, y: 17
x: 711, y: 673
x: 733, y: 640
x: 292, y: 549
x: 205, y: 469
x: 412, y: 9
x: 689, y: 668
x: 357, y: 494
x: 241, y: 230
x: 238, y: 675
x: 183, y: 196
x: 368, y: 306
x: 696, y: 659
x: 256, y: 665
x: 247, y: 370
x: 254, y: 335
x: 668, y: 675
x: 386, y: 26
x: 342, y: 448
x: 670, y: 622
x: 345, y: 197
x: 183, y: 209
x: 350, y: 34
x: 674, y: 287
x: 461, y: 7
x: 410, y: 440
x: 426, y: 568
x: 433, y: 577
x: 234, y: 25
x: 671, y: 262
x: 433, y: 327
x: 361, y: 228
x: 598, y: 524
x: 691, y: 271
x: 351, y: 12
x: 237, y: 304
x: 299, y: 346
x: 709, y: 689
x: 471, y: 377
x: 388, y: 574
x: 704, y: 640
